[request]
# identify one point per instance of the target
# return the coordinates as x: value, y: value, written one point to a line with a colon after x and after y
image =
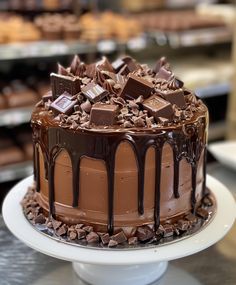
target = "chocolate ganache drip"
x: 137, y: 111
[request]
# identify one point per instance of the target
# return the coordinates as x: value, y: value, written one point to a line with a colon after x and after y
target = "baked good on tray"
x: 119, y: 150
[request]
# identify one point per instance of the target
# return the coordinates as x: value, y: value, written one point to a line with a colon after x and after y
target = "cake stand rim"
x: 220, y: 224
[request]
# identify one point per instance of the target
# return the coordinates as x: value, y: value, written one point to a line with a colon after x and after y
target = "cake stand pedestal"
x: 120, y: 267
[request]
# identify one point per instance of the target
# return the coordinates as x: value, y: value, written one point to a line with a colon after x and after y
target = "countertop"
x: 216, y: 265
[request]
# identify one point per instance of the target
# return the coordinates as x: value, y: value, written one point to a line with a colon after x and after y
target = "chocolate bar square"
x: 63, y: 104
x: 136, y: 86
x: 94, y: 92
x: 118, y: 64
x: 61, y: 83
x: 174, y: 97
x: 103, y: 114
x: 158, y: 107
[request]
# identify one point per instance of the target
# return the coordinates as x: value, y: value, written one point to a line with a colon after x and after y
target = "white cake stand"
x: 120, y: 267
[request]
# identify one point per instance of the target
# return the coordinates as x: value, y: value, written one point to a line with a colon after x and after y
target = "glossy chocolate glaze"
x: 187, y: 140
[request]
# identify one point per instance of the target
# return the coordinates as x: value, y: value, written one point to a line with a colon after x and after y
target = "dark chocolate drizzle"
x: 187, y: 141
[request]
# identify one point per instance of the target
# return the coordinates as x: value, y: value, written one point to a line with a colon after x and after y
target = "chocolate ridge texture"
x: 117, y: 161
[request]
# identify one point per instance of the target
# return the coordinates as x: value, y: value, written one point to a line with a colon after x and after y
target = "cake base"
x: 142, y: 258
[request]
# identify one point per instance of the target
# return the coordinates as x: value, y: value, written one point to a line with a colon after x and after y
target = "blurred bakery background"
x: 195, y: 35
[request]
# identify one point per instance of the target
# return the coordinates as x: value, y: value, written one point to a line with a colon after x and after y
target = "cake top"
x: 119, y: 94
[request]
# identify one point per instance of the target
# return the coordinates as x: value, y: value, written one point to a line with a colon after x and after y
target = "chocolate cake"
x: 119, y: 153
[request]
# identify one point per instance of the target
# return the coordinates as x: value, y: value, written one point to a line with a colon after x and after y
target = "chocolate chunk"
x: 191, y: 218
x: 40, y: 219
x: 61, y: 83
x: 105, y: 238
x: 62, y: 70
x: 164, y: 73
x: 75, y: 64
x: 136, y: 86
x: 119, y: 237
x: 207, y: 201
x: 90, y: 70
x: 79, y: 226
x: 158, y: 107
x: 168, y: 230
x: 80, y: 233
x: 94, y: 92
x: 56, y: 224
x: 118, y: 64
x: 86, y: 106
x: 202, y: 213
x: 62, y: 230
x: 92, y: 237
x: 104, y: 64
x: 72, y: 235
x: 63, y: 104
x: 161, y: 62
x: 112, y: 243
x: 88, y: 229
x: 144, y: 233
x: 183, y: 225
x: 132, y: 240
x: 103, y: 114
x: 124, y: 70
x: 118, y: 78
x: 131, y: 63
x: 160, y: 231
x: 47, y: 97
x: 173, y: 96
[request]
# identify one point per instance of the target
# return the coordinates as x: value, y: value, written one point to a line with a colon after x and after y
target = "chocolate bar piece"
x: 103, y: 114
x: 158, y: 107
x: 118, y: 64
x: 61, y: 83
x: 104, y: 64
x: 135, y: 87
x: 174, y: 97
x: 63, y: 104
x: 94, y: 92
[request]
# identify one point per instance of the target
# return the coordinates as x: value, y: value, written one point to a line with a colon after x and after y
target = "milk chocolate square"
x: 136, y: 86
x: 61, y: 83
x: 158, y: 107
x: 94, y: 92
x: 63, y: 104
x: 174, y: 97
x: 103, y: 114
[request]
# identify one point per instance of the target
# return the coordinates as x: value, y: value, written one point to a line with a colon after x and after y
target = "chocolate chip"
x: 105, y: 238
x: 80, y: 233
x: 56, y: 224
x: 202, y: 213
x: 136, y: 86
x: 183, y: 225
x: 62, y: 230
x: 132, y: 240
x: 112, y: 243
x: 86, y: 106
x: 73, y: 235
x: 144, y: 233
x: 40, y: 219
x: 119, y: 237
x: 92, y: 237
x: 88, y: 229
x: 168, y: 230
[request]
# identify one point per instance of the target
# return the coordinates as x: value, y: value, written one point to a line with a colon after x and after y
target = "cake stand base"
x: 115, y: 266
x: 141, y: 274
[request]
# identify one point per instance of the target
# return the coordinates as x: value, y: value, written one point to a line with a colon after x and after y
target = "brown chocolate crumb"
x: 119, y: 237
x: 40, y: 219
x: 105, y: 238
x: 132, y: 240
x: 202, y: 213
x: 92, y: 237
x: 112, y: 243
x: 62, y: 230
x: 168, y: 230
x: 73, y: 235
x: 144, y: 233
x: 183, y: 225
x: 56, y: 224
x: 81, y: 233
x: 88, y: 229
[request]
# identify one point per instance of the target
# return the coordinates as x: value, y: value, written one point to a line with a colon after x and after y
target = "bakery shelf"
x: 15, y: 171
x: 213, y: 90
x: 13, y: 117
x: 191, y: 38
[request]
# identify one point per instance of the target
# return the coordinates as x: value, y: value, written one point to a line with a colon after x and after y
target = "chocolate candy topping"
x: 103, y: 114
x: 63, y: 104
x: 94, y: 92
x: 61, y: 83
x: 136, y: 86
x: 158, y: 107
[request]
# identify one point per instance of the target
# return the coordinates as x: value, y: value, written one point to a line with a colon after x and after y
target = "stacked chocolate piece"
x: 119, y: 94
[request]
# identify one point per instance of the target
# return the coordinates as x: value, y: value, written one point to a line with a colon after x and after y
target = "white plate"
x: 224, y: 152
x: 104, y: 267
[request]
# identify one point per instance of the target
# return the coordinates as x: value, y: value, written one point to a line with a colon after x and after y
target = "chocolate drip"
x: 204, y: 190
x: 36, y: 164
x: 187, y: 142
